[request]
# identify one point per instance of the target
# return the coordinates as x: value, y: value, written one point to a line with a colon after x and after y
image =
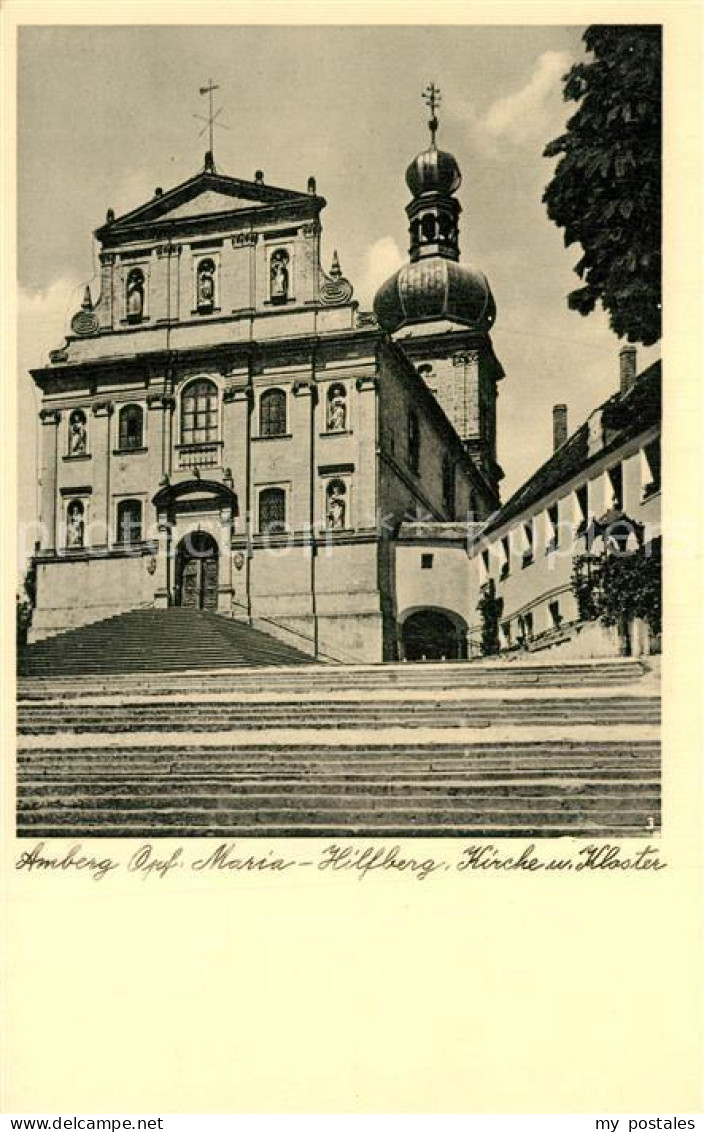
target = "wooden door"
x: 209, y: 583
x: 191, y: 584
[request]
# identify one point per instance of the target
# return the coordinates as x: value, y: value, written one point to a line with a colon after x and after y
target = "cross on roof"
x: 432, y: 97
x: 210, y: 120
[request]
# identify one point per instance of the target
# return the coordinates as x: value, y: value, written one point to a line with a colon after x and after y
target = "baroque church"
x: 225, y: 429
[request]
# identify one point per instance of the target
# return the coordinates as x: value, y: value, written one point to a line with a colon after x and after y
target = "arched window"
x: 129, y: 521
x: 279, y: 276
x: 77, y: 433
x: 272, y: 510
x: 272, y: 413
x: 337, y: 408
x: 131, y: 427
x: 336, y: 499
x: 75, y: 524
x: 134, y: 295
x: 428, y: 226
x: 199, y: 412
x: 205, y: 285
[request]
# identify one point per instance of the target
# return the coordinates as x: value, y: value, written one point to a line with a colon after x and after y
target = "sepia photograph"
x: 339, y: 410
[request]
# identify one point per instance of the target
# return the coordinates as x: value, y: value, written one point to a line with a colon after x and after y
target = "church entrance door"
x: 197, y: 571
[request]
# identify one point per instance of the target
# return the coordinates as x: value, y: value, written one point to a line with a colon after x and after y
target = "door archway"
x: 197, y: 571
x: 433, y: 634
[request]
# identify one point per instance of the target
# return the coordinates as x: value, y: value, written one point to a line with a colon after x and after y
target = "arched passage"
x: 197, y: 571
x: 434, y: 634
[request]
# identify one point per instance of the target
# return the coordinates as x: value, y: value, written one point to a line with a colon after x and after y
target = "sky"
x: 105, y: 114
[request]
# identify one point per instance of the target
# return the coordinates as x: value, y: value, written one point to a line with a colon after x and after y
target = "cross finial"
x: 210, y: 122
x: 432, y: 97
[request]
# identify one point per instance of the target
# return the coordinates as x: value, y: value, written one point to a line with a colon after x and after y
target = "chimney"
x: 559, y: 426
x: 627, y: 367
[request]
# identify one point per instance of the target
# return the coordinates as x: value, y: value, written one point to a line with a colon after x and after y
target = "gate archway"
x: 197, y: 571
x: 434, y: 634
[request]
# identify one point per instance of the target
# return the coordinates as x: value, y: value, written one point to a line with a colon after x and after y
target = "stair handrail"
x: 321, y: 655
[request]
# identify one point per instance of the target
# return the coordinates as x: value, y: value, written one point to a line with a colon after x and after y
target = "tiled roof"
x: 624, y: 415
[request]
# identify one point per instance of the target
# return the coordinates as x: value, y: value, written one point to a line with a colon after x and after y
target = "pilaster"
x: 50, y: 419
x: 366, y: 470
x: 305, y: 398
x: 101, y: 452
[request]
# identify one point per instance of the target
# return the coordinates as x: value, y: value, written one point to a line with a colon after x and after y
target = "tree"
x: 606, y: 191
x: 616, y: 588
x: 490, y: 608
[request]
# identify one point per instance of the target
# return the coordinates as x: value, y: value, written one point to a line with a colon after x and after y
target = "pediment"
x: 205, y: 195
x: 209, y: 203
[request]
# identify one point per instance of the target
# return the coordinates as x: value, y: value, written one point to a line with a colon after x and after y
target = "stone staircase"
x: 530, y: 789
x: 469, y: 749
x: 156, y: 640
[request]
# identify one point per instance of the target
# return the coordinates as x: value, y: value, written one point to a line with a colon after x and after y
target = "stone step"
x: 372, y: 716
x: 365, y: 819
x: 327, y: 679
x: 148, y: 640
x: 132, y: 771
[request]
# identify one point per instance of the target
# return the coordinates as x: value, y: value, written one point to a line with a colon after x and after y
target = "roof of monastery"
x: 623, y: 416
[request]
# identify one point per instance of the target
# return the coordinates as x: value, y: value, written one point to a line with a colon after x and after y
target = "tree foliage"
x: 490, y: 608
x: 616, y: 588
x: 606, y: 188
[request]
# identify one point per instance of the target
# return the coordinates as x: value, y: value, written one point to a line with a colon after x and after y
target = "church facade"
x: 224, y: 429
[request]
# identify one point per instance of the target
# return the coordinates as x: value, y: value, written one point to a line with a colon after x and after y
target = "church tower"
x: 441, y: 310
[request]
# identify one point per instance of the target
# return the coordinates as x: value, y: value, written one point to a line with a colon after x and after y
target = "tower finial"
x: 432, y: 97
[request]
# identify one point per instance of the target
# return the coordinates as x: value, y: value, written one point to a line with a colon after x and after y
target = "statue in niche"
x: 77, y: 436
x: 135, y: 294
x: 336, y: 505
x: 337, y: 409
x: 206, y: 283
x: 75, y: 528
x: 279, y: 275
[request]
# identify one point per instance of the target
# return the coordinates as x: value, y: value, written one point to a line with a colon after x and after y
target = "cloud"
x: 44, y: 318
x: 382, y: 259
x: 531, y: 112
x: 526, y: 109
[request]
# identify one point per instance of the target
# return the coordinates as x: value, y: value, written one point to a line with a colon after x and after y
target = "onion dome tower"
x: 434, y: 286
x: 442, y: 310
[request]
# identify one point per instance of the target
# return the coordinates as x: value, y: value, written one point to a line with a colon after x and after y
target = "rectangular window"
x: 651, y: 468
x: 581, y: 497
x: 615, y: 485
x: 527, y: 543
x: 199, y: 413
x: 426, y: 561
x: 555, y: 615
x: 413, y: 441
x: 448, y: 486
x: 553, y: 528
x: 528, y: 626
x: 506, y: 555
x: 272, y: 413
x: 272, y: 510
x: 506, y: 630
